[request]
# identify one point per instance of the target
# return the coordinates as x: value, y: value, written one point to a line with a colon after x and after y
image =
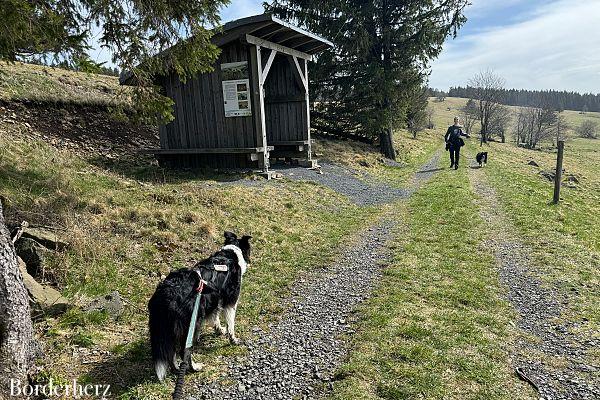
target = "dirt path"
x: 297, y: 356
x: 549, y: 355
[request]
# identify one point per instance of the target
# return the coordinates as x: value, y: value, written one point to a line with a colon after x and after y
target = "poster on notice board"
x: 236, y: 89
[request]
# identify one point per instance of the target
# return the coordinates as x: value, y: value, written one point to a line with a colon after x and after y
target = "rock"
x: 548, y: 175
x: 46, y: 238
x: 572, y: 179
x: 110, y: 303
x: 389, y: 163
x: 43, y: 298
x: 32, y: 253
x: 533, y: 163
x: 364, y: 163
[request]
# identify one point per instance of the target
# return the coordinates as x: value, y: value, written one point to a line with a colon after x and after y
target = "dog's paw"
x: 220, y: 330
x: 196, y: 366
x: 234, y: 340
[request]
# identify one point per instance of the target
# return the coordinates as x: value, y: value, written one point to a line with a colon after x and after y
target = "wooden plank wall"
x: 199, y: 112
x: 285, y: 105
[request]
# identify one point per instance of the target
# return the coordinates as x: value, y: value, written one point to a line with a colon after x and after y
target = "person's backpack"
x: 455, y: 137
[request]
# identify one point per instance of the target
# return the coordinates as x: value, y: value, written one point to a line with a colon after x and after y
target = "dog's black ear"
x: 230, y: 237
x: 245, y: 242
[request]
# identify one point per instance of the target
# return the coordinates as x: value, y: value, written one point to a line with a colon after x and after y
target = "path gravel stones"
x: 298, y: 355
x: 359, y: 187
x: 548, y: 353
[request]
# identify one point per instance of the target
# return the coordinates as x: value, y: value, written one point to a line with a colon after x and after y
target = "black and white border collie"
x: 171, y: 306
x: 482, y: 158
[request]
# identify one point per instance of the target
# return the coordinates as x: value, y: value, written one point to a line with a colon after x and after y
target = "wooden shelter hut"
x: 253, y: 107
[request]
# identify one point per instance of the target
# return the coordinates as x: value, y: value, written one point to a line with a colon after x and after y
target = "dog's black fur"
x: 171, y: 306
x: 482, y: 158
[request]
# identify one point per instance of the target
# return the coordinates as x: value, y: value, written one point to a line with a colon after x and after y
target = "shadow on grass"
x: 145, y: 169
x: 130, y: 373
x: 128, y: 366
x: 426, y: 171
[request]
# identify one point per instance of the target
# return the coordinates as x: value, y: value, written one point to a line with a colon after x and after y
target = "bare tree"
x: 534, y: 125
x: 470, y: 115
x: 488, y: 95
x: 499, y: 123
x: 430, y: 113
x: 417, y: 122
x: 17, y: 343
x: 588, y: 129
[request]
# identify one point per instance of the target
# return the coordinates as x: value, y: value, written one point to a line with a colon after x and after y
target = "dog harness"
x: 202, y: 284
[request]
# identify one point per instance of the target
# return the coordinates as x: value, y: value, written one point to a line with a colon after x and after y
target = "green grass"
x: 565, y: 239
x: 124, y: 235
x: 437, y: 326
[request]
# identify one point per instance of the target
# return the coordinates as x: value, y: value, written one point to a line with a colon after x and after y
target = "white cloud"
x: 556, y: 48
x: 241, y: 8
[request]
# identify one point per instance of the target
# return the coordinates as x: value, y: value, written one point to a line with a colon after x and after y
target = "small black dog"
x: 172, y: 304
x: 482, y: 158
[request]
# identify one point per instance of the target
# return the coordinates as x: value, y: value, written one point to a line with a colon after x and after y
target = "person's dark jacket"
x: 453, y: 137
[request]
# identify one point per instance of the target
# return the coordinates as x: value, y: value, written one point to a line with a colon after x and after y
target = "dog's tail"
x: 161, y: 339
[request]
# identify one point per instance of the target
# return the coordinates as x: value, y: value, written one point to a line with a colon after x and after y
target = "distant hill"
x: 558, y: 100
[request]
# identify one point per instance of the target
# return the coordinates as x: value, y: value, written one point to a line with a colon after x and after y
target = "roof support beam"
x: 265, y: 71
x: 303, y: 72
x: 277, y: 47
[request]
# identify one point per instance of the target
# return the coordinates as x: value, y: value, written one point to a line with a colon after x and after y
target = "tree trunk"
x: 17, y: 343
x: 386, y: 144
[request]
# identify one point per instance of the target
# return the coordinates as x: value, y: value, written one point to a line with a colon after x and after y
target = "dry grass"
x: 445, y: 112
x: 37, y: 83
x: 412, y: 153
x: 125, y: 235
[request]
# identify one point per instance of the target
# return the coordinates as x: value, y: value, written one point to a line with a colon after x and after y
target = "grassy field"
x: 565, y: 238
x: 412, y: 153
x: 125, y: 235
x: 38, y: 83
x: 129, y: 225
x: 443, y: 116
x: 437, y: 327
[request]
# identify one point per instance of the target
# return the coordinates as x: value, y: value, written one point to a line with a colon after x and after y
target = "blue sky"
x: 532, y: 44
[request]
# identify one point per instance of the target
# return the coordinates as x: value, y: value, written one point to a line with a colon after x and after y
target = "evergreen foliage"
x: 133, y: 31
x: 364, y: 86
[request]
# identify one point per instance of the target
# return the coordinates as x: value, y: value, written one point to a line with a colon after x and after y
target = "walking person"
x: 454, y: 142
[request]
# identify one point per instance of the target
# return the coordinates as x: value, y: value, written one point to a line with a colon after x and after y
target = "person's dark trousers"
x: 454, y: 156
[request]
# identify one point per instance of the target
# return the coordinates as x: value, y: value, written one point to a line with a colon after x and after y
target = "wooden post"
x: 259, y: 109
x: 307, y: 99
x: 558, y: 175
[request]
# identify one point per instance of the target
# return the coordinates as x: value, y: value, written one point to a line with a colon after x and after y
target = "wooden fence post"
x: 558, y: 175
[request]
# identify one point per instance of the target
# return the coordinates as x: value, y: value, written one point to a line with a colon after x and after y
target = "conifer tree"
x: 133, y: 31
x: 382, y: 51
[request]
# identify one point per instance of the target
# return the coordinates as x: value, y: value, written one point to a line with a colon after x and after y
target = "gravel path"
x: 297, y: 356
x: 360, y: 188
x: 550, y: 356
x: 300, y: 352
